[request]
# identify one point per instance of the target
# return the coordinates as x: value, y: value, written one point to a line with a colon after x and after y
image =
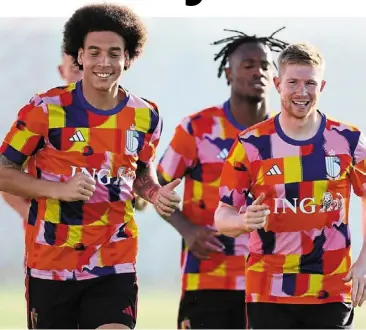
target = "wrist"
x: 52, y: 190
x: 153, y: 194
x: 362, y: 255
x: 239, y: 223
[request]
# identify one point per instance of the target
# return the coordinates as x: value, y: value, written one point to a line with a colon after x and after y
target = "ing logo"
x: 192, y: 3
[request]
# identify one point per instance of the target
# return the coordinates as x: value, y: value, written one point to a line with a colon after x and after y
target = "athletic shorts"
x: 212, y: 309
x: 287, y: 316
x: 85, y: 304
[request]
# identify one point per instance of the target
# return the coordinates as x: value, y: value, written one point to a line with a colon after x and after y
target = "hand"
x: 202, y: 241
x: 140, y: 204
x: 255, y: 216
x: 79, y: 188
x: 357, y: 274
x: 166, y: 200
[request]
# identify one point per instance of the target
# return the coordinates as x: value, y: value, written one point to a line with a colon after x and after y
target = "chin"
x: 103, y: 86
x: 255, y: 98
x: 300, y: 114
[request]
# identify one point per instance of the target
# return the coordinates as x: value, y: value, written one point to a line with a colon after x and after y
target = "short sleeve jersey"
x: 64, y: 135
x: 303, y: 253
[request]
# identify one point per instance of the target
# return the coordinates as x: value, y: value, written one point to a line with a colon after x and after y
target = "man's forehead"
x: 253, y: 50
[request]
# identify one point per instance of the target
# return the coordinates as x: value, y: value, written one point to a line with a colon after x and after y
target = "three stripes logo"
x: 274, y: 170
x: 223, y: 154
x: 77, y: 137
x: 128, y: 311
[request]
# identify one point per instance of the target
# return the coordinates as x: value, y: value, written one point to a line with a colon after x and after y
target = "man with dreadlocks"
x: 213, y: 265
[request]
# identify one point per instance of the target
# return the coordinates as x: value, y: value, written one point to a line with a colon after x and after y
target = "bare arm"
x: 228, y: 220
x: 146, y: 184
x: 362, y: 255
x: 18, y: 204
x: 177, y: 219
x: 201, y: 240
x: 16, y: 182
x: 232, y: 223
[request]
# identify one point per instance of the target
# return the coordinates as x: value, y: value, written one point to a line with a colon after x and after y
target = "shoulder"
x: 202, y: 121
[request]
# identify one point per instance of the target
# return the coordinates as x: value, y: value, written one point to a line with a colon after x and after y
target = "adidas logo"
x: 77, y: 137
x: 274, y: 171
x: 223, y: 154
x: 128, y: 311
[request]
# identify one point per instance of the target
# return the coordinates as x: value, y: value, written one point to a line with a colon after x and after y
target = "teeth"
x: 301, y: 102
x: 103, y: 75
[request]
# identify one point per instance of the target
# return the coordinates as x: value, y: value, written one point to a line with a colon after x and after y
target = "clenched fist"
x: 79, y: 188
x: 255, y: 216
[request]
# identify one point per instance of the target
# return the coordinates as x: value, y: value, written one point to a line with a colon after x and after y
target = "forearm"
x: 16, y: 182
x: 363, y: 226
x: 24, y: 185
x: 228, y: 221
x: 179, y: 222
x: 146, y: 183
x: 18, y: 204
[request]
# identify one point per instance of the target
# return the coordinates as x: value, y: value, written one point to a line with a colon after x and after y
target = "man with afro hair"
x: 93, y: 144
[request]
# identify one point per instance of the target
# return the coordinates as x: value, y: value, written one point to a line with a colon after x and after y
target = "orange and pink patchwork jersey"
x: 63, y: 135
x: 303, y: 253
x: 197, y: 153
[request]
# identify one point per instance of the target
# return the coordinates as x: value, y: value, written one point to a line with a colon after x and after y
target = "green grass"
x: 156, y: 310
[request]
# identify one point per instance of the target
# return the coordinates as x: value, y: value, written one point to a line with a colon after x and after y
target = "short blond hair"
x: 301, y: 53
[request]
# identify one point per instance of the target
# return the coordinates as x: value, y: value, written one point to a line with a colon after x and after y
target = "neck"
x: 248, y: 113
x: 102, y: 99
x: 300, y: 128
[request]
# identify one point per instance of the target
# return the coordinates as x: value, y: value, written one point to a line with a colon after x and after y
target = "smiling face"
x: 299, y: 86
x: 104, y: 57
x: 300, y: 80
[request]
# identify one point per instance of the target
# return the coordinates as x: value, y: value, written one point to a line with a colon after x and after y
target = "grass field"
x: 157, y: 310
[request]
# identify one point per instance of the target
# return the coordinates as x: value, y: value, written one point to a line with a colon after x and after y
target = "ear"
x: 80, y: 56
x: 61, y: 71
x: 127, y: 60
x: 322, y: 85
x: 277, y: 83
x: 228, y: 75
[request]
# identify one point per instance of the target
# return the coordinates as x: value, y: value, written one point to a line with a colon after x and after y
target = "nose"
x: 104, y: 60
x: 301, y: 89
x: 258, y: 71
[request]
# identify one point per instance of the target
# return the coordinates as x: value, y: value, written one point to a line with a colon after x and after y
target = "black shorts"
x: 212, y: 309
x: 85, y: 304
x: 286, y: 316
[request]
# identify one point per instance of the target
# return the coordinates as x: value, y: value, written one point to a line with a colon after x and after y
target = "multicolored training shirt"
x: 65, y: 135
x: 303, y: 253
x: 197, y: 152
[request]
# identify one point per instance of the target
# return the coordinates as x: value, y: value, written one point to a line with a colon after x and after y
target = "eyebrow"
x: 111, y: 48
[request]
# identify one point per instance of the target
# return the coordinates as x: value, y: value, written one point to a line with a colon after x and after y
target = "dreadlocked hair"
x: 232, y: 43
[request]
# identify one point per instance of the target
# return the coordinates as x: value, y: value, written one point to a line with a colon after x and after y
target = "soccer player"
x: 70, y: 73
x: 299, y: 166
x: 213, y: 280
x: 93, y: 143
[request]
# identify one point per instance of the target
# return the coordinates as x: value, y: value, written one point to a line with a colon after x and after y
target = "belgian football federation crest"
x: 333, y: 167
x: 132, y: 141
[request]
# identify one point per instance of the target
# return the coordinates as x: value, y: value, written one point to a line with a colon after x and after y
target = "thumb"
x: 259, y: 200
x: 170, y: 186
x: 348, y: 277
